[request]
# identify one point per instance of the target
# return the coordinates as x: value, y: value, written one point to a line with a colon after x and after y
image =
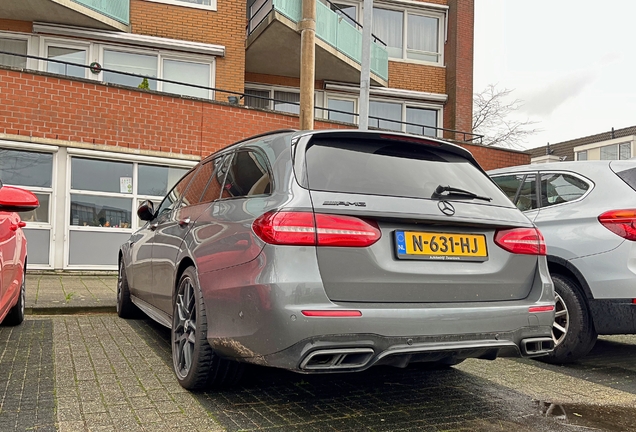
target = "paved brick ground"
x: 101, y: 373
x: 71, y: 293
x: 27, y: 377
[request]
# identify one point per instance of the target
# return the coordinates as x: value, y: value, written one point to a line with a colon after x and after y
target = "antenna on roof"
x: 548, y: 150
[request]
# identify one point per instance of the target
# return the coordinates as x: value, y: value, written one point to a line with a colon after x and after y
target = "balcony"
x: 97, y: 14
x: 273, y: 44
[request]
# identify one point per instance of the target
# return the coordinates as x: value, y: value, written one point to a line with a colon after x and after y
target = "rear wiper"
x: 456, y: 193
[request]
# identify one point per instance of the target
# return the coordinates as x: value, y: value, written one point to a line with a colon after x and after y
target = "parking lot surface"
x: 99, y: 372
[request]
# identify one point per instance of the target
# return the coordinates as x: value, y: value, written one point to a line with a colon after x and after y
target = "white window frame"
x: 357, y: 5
x: 135, y: 160
x: 32, y: 47
x: 578, y: 153
x: 341, y: 97
x: 188, y: 58
x: 160, y: 55
x: 405, y: 104
x: 441, y: 32
x: 273, y: 88
x: 46, y: 42
x: 53, y: 150
x: 211, y: 7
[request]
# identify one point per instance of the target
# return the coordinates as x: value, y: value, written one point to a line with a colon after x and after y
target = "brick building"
x: 610, y: 145
x: 105, y: 103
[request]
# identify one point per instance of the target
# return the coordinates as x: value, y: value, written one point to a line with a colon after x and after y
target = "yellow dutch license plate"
x: 440, y: 246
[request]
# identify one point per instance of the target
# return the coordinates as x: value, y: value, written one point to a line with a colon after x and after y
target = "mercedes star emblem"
x: 446, y: 208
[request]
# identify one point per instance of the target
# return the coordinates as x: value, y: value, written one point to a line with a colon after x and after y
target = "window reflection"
x: 25, y: 168
x: 157, y: 180
x: 87, y: 210
x: 41, y: 214
x: 101, y: 175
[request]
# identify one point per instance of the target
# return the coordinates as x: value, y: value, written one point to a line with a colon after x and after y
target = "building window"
x: 346, y: 105
x: 410, y: 35
x: 616, y: 151
x: 183, y: 70
x: 385, y: 115
x: 66, y: 54
x: 195, y: 73
x: 348, y: 12
x: 140, y: 64
x: 283, y: 99
x: 581, y: 156
x: 421, y: 121
x: 262, y: 101
x: 16, y: 46
x: 33, y: 171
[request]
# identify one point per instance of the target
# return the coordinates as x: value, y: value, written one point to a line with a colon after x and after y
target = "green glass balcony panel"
x: 118, y: 10
x: 292, y: 9
x: 338, y: 33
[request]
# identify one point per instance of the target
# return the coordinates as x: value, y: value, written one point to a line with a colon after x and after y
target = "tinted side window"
x: 197, y: 186
x: 557, y: 188
x: 213, y: 189
x: 247, y: 175
x: 509, y: 184
x: 175, y: 194
x: 629, y: 177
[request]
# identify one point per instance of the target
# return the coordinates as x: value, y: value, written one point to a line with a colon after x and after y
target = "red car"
x: 13, y: 252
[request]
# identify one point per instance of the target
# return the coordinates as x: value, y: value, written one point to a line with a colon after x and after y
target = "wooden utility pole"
x: 307, y: 64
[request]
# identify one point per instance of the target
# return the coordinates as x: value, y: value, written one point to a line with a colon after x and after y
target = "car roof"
x: 574, y: 166
x: 292, y: 135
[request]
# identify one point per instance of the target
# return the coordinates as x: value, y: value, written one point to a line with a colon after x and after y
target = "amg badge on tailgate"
x: 345, y: 203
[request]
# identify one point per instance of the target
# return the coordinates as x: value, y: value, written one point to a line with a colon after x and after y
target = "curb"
x: 70, y: 310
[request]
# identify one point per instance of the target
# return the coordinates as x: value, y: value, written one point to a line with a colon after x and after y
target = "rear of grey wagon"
x: 420, y: 256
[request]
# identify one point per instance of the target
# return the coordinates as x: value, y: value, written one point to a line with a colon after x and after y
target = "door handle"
x: 184, y: 222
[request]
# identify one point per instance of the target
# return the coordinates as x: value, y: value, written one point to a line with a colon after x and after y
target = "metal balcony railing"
x: 118, y: 10
x: 319, y: 112
x: 330, y: 27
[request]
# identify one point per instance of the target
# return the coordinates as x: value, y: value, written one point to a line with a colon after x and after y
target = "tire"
x: 125, y: 307
x: 194, y: 361
x: 573, y: 330
x: 16, y: 313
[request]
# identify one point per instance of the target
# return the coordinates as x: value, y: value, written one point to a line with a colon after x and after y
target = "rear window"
x: 629, y: 177
x: 392, y: 168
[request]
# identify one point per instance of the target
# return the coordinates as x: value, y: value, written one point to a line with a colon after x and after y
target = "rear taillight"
x: 527, y: 241
x: 309, y: 229
x: 620, y: 222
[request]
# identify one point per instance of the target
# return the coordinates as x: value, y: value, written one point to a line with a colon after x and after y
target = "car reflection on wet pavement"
x: 390, y: 399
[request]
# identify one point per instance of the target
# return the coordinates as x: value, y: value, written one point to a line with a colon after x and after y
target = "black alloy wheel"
x: 195, y: 363
x: 573, y: 330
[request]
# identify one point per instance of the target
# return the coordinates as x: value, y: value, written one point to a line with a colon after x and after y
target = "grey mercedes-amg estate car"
x: 334, y: 251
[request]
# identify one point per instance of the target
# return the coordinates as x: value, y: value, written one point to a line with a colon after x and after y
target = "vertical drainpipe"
x: 307, y: 28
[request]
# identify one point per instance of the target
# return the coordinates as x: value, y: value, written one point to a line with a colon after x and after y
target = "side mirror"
x: 14, y: 199
x: 146, y: 210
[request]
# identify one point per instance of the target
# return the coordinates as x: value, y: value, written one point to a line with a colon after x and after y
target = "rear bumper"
x: 351, y: 353
x: 254, y: 314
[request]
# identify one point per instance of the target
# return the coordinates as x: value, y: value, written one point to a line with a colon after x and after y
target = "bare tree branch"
x: 492, y: 108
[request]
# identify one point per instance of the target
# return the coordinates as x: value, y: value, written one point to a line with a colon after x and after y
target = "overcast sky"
x: 573, y: 62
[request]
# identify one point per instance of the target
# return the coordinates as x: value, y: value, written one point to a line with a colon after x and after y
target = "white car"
x: 586, y: 211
